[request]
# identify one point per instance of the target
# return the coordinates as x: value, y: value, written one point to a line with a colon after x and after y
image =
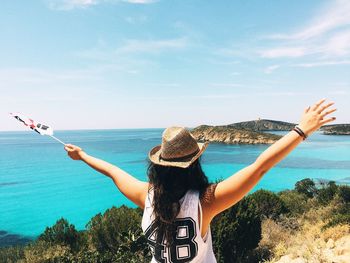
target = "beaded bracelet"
x: 300, y: 132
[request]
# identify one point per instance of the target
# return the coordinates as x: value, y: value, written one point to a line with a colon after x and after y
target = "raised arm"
x: 132, y: 188
x: 234, y: 188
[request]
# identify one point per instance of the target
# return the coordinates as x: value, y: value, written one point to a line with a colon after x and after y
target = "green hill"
x: 231, y: 135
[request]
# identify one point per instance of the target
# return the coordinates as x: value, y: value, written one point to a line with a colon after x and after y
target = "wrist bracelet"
x: 300, y: 132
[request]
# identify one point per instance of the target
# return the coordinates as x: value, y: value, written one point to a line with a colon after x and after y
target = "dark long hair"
x: 169, y: 186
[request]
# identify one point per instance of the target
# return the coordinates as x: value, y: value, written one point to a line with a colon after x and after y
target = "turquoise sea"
x: 39, y: 183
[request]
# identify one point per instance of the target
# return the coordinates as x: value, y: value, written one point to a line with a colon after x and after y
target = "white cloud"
x: 332, y: 16
x: 104, y: 52
x: 65, y: 5
x: 132, y: 55
x: 169, y: 85
x: 140, y: 1
x: 136, y: 19
x: 338, y: 44
x: 222, y: 61
x: 231, y: 95
x: 326, y: 36
x: 235, y: 73
x: 292, y: 52
x: 152, y: 46
x: 322, y: 63
x: 338, y: 92
x: 226, y: 85
x: 271, y: 69
x: 28, y: 76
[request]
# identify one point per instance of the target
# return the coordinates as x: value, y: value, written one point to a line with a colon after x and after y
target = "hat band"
x: 179, y: 158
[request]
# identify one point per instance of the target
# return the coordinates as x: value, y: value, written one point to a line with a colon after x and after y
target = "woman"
x: 178, y: 202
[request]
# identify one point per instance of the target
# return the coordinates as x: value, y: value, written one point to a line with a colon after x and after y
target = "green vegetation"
x: 264, y: 125
x: 230, y: 134
x: 236, y: 231
x: 257, y: 228
x: 336, y: 129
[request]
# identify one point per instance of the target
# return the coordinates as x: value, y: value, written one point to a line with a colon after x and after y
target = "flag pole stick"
x: 57, y: 139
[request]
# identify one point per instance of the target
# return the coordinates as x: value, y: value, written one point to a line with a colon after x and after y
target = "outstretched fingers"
x: 315, y: 107
x: 327, y: 120
x: 307, y: 109
x: 325, y: 107
x: 327, y: 112
x: 324, y: 113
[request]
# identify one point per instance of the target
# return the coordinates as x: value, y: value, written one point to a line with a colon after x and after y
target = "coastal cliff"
x: 274, y: 125
x: 264, y: 125
x: 336, y: 129
x: 231, y: 135
x: 255, y: 131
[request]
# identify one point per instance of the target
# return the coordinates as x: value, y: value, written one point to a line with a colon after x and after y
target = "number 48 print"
x: 184, y: 248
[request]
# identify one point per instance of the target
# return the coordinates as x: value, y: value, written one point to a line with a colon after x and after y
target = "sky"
x: 109, y: 64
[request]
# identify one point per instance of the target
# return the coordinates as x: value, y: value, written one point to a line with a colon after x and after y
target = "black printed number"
x: 184, y: 248
x: 157, y: 246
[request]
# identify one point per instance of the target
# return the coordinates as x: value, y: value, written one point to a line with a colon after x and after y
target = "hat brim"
x: 154, y: 155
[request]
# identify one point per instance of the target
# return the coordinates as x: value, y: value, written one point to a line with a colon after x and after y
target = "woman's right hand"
x: 314, y: 117
x: 74, y: 151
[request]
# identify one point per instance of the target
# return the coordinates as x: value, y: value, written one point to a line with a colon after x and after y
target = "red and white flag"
x: 35, y: 126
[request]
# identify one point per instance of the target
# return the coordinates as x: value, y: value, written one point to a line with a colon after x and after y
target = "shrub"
x: 62, y: 233
x: 327, y: 192
x: 11, y: 254
x: 344, y: 193
x: 43, y: 252
x: 117, y: 231
x: 236, y: 231
x: 339, y: 219
x: 269, y: 205
x: 295, y: 202
x: 306, y: 187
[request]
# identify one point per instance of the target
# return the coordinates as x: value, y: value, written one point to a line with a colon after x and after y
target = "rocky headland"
x: 336, y: 129
x: 264, y: 125
x: 232, y: 135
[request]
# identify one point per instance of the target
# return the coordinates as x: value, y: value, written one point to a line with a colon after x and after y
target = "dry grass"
x: 309, y: 243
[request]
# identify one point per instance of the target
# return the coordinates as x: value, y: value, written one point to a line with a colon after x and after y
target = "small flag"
x: 35, y: 126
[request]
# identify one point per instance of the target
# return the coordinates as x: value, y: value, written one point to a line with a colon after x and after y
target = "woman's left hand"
x: 74, y: 151
x: 314, y: 117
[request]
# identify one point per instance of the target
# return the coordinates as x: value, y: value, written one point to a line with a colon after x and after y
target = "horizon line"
x: 151, y: 128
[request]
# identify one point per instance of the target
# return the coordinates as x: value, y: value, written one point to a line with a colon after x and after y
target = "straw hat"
x: 179, y: 148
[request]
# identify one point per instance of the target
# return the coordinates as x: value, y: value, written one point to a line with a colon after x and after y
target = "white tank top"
x: 189, y: 246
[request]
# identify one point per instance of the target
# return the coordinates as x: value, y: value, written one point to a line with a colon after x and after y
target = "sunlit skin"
x: 229, y: 191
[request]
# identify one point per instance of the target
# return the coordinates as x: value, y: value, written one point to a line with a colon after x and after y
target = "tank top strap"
x: 148, y: 216
x: 149, y: 198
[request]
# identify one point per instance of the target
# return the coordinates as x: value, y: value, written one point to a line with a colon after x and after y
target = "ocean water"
x: 39, y: 183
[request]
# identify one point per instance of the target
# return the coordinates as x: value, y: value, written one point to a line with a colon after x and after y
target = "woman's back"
x: 188, y: 245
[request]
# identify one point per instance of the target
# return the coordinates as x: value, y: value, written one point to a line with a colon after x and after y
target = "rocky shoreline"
x: 256, y: 131
x: 231, y: 135
x: 336, y: 129
x: 274, y: 125
x: 264, y: 125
